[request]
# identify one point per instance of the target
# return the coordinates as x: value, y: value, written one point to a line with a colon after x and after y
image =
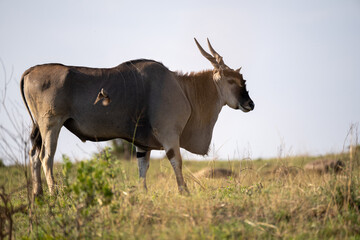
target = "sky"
x: 301, y: 60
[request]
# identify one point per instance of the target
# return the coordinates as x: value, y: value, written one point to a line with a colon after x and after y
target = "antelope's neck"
x: 203, y: 95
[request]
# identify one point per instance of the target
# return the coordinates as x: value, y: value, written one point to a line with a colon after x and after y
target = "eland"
x: 141, y: 101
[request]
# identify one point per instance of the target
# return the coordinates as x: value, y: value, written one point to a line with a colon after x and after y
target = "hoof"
x: 183, y: 190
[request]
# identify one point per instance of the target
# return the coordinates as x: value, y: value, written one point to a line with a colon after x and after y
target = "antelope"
x: 141, y: 101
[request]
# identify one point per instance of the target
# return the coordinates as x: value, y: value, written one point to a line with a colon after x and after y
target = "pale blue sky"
x: 301, y: 60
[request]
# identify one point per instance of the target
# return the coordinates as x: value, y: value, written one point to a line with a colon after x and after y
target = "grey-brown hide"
x: 142, y: 102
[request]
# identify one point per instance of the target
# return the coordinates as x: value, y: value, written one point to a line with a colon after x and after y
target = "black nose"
x: 252, y: 105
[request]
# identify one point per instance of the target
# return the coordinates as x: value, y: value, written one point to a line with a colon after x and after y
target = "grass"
x: 270, y: 199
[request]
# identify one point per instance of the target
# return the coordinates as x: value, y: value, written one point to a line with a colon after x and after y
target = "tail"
x: 35, y: 135
x: 23, y: 95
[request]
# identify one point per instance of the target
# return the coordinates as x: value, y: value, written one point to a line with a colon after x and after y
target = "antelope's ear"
x: 238, y: 70
x: 217, y: 74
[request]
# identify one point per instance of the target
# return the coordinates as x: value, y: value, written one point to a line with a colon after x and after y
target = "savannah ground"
x: 268, y: 199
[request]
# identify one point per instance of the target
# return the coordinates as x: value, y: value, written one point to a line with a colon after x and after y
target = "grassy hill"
x: 266, y: 199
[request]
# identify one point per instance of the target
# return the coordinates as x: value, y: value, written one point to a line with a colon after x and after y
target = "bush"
x: 92, y: 183
x: 122, y: 149
x: 85, y: 193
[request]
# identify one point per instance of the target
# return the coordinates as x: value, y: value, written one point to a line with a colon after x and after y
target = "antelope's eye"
x: 231, y: 81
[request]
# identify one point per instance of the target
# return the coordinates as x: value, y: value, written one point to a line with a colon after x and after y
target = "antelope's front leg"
x: 174, y: 156
x: 143, y: 158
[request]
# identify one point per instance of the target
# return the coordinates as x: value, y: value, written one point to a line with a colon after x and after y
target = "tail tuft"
x: 35, y: 137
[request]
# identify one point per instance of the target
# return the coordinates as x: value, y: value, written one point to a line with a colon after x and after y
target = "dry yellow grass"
x: 265, y: 199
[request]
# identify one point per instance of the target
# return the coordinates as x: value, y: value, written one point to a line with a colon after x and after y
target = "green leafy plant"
x: 87, y: 188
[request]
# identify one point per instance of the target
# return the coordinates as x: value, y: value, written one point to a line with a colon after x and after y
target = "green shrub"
x: 86, y: 190
x: 92, y: 184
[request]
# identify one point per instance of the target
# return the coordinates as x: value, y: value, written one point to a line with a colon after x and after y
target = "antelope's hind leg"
x: 35, y: 163
x: 35, y: 166
x: 50, y: 133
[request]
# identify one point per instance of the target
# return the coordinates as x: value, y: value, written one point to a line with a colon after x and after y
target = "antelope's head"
x: 230, y: 82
